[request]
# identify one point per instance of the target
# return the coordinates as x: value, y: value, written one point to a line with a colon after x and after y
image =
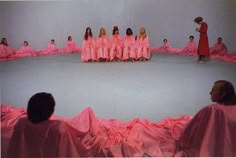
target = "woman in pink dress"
x: 51, y: 49
x: 219, y: 48
x: 116, y: 45
x: 143, y: 45
x: 25, y: 51
x: 6, y: 52
x: 190, y: 48
x: 129, y: 46
x: 71, y: 46
x: 88, y: 47
x: 102, y: 46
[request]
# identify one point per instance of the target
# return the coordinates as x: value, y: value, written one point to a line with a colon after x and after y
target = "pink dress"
x: 166, y: 48
x: 71, y: 47
x: 51, y: 49
x: 6, y: 52
x: 143, y: 48
x: 190, y: 49
x: 116, y: 47
x: 211, y: 132
x: 88, y: 50
x: 25, y: 51
x: 218, y: 50
x: 129, y: 50
x: 103, y: 45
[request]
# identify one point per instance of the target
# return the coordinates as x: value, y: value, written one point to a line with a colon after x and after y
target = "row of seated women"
x: 109, y: 49
x: 38, y: 133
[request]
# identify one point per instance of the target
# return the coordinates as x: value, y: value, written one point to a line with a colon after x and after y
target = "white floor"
x: 168, y: 85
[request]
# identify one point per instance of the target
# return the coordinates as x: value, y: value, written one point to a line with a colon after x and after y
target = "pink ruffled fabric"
x: 143, y: 48
x: 129, y: 50
x: 116, y: 45
x: 71, y: 47
x: 88, y: 135
x: 89, y: 50
x: 51, y: 49
x: 102, y: 47
x: 211, y: 132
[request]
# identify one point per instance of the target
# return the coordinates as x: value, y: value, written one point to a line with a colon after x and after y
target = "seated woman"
x: 143, y: 45
x: 6, y: 52
x: 219, y: 48
x: 116, y: 45
x: 88, y: 47
x: 37, y: 136
x: 190, y: 48
x: 25, y: 51
x: 51, y: 49
x: 102, y: 46
x: 166, y: 48
x: 212, y: 130
x: 71, y: 46
x: 129, y: 51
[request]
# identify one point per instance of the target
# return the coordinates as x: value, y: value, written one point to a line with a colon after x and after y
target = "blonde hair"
x: 100, y: 32
x: 143, y: 36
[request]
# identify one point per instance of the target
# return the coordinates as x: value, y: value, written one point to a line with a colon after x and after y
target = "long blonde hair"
x: 144, y: 35
x: 100, y: 32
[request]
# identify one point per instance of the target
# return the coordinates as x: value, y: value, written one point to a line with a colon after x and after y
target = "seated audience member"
x: 116, y: 45
x: 143, y: 45
x: 37, y: 136
x: 5, y: 50
x: 71, y: 46
x: 102, y: 46
x: 219, y: 48
x: 51, y: 49
x: 25, y: 50
x: 88, y: 47
x: 212, y: 130
x: 190, y: 48
x: 129, y: 51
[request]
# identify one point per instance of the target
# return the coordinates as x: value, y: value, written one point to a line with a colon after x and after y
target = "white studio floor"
x: 167, y: 85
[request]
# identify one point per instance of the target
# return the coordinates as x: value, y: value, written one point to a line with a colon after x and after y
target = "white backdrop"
x: 40, y: 21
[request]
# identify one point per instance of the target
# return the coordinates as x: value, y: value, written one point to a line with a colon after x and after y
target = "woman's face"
x: 5, y: 41
x: 25, y: 44
x: 88, y: 30
x: 116, y: 32
x: 142, y: 31
x: 103, y: 32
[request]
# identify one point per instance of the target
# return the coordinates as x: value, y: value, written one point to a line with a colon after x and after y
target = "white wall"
x: 38, y: 22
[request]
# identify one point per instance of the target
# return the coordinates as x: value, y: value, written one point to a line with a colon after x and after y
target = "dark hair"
x: 2, y: 42
x: 129, y: 32
x: 69, y: 38
x: 198, y: 19
x: 40, y: 107
x: 53, y: 40
x: 26, y: 42
x: 219, y: 38
x: 227, y: 89
x: 191, y: 36
x: 165, y: 40
x: 114, y: 30
x: 86, y: 35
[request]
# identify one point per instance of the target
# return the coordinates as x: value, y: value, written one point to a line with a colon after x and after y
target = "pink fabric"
x: 87, y: 135
x: 189, y: 49
x: 6, y: 52
x: 116, y: 47
x: 71, y: 47
x: 25, y: 51
x: 143, y: 48
x: 129, y: 50
x: 211, y: 132
x: 51, y: 49
x: 218, y: 50
x: 102, y: 46
x: 166, y: 48
x: 88, y: 50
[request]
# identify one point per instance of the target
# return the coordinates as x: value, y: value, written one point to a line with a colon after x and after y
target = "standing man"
x: 203, y: 45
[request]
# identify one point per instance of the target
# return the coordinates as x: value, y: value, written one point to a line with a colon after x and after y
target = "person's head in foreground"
x: 223, y: 93
x: 40, y: 107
